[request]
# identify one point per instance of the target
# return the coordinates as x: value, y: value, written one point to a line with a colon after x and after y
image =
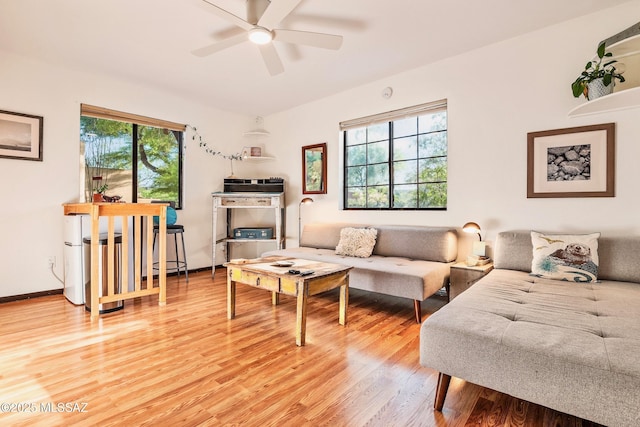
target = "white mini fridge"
x: 74, y: 258
x: 77, y: 257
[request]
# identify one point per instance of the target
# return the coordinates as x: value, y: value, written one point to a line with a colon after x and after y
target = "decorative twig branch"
x: 209, y: 150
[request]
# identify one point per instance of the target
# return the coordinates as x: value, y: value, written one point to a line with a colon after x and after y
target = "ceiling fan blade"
x: 276, y: 12
x: 217, y: 47
x: 271, y: 59
x: 325, y: 41
x: 230, y: 17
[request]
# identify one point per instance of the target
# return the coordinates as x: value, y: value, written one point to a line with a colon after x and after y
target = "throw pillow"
x: 357, y: 242
x: 570, y: 257
x: 172, y: 217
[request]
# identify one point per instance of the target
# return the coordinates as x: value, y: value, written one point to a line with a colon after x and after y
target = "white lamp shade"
x: 471, y: 227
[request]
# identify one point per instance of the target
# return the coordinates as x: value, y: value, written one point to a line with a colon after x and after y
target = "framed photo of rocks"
x: 571, y: 162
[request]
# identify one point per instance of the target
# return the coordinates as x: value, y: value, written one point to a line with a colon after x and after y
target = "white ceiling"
x: 149, y: 42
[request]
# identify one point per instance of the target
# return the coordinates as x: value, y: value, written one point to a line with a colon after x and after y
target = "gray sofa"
x: 407, y: 261
x: 572, y: 347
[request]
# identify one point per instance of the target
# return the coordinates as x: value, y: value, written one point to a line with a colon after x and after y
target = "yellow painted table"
x: 265, y: 274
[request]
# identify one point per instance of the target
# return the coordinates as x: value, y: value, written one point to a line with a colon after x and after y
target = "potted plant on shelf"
x: 597, y: 79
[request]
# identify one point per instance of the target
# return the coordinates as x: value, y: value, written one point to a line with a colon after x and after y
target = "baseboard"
x: 175, y: 273
x: 31, y: 295
x: 198, y: 270
x: 60, y: 291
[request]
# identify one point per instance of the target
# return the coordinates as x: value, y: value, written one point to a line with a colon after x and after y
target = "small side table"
x: 463, y: 277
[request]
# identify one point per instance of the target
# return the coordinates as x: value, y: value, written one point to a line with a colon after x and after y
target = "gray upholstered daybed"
x: 573, y: 347
x: 407, y: 261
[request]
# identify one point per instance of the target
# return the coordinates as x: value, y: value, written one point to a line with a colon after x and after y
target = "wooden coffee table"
x: 264, y: 273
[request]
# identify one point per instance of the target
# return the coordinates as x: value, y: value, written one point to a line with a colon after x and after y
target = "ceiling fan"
x: 262, y: 17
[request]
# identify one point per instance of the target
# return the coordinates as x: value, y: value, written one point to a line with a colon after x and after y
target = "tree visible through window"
x: 398, y: 164
x: 134, y: 161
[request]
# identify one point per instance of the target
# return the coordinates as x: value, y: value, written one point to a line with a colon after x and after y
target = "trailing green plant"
x: 597, y: 70
x: 209, y: 150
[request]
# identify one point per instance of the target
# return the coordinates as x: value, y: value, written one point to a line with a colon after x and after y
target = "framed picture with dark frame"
x: 314, y: 169
x: 572, y: 162
x: 20, y: 136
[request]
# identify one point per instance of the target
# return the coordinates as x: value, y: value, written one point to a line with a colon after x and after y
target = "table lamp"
x: 472, y: 227
x: 479, y: 250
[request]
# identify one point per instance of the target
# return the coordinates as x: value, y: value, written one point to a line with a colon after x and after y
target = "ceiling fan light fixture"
x: 259, y: 35
x: 262, y: 16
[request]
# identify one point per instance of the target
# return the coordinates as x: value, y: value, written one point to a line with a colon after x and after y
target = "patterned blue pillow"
x: 570, y: 257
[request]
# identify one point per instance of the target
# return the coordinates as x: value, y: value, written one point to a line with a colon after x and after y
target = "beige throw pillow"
x: 569, y: 257
x: 357, y: 242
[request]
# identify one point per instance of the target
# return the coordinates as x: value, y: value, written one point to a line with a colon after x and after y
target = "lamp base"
x: 479, y: 249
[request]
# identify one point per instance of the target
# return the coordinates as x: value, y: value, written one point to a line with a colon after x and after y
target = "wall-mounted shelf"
x: 628, y: 95
x: 627, y: 47
x: 257, y: 132
x: 254, y: 153
x: 258, y: 158
x: 628, y: 98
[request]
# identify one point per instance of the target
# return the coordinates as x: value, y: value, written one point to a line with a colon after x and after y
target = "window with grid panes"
x: 397, y: 160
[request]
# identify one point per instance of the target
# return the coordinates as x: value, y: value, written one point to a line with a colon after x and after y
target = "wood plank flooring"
x: 185, y: 364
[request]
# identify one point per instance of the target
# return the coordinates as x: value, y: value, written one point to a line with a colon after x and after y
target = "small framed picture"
x: 20, y: 136
x: 314, y: 169
x: 572, y: 162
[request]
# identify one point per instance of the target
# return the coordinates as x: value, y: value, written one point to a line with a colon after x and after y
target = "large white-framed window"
x: 397, y: 160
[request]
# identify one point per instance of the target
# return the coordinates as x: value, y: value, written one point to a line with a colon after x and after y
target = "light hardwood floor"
x: 186, y: 364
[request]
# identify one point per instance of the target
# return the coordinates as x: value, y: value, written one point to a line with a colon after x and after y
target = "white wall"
x: 33, y: 192
x: 495, y: 96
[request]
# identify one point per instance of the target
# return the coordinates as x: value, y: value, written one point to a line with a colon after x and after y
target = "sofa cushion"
x: 427, y: 243
x: 401, y: 277
x: 617, y: 255
x: 513, y: 250
x: 619, y: 259
x: 323, y: 235
x: 568, y: 257
x: 357, y: 242
x: 571, y: 348
x: 438, y: 244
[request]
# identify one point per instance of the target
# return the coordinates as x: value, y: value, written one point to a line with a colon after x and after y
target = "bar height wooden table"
x: 125, y: 210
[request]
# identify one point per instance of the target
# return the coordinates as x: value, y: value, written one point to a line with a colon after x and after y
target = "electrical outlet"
x: 51, y: 261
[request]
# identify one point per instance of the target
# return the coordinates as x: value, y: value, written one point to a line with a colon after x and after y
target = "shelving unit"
x: 232, y: 201
x: 628, y: 94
